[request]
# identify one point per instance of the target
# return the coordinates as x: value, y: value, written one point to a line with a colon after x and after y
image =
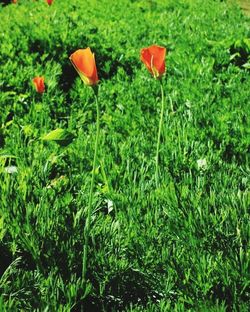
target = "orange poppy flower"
x: 49, y: 2
x: 39, y: 84
x: 154, y: 59
x: 84, y: 62
x: 14, y: 1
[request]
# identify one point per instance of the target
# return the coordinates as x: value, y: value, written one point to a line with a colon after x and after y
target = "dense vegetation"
x: 183, y: 246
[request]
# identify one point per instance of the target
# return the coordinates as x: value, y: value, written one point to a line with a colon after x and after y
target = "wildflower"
x: 154, y: 59
x: 84, y: 62
x: 39, y: 84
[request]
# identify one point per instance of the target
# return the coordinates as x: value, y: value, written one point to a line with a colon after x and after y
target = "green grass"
x: 183, y: 246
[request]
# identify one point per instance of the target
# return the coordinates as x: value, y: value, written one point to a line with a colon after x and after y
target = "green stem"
x: 90, y: 208
x: 159, y: 138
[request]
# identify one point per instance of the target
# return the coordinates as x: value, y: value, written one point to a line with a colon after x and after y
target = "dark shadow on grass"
x: 241, y: 54
x: 5, y: 2
x: 223, y: 293
x: 123, y: 289
x: 5, y: 258
x: 129, y: 287
x: 68, y: 77
x: 90, y: 303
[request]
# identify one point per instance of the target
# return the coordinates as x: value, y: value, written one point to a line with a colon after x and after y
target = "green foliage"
x: 61, y: 136
x: 181, y: 247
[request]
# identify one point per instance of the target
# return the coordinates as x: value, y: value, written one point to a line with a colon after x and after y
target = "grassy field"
x: 180, y: 246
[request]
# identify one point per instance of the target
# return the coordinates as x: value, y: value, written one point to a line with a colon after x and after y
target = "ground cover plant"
x: 180, y: 245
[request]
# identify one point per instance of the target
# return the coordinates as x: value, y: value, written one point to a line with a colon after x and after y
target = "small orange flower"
x: 154, y: 59
x: 49, y: 2
x: 39, y: 84
x: 84, y: 62
x: 14, y: 1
